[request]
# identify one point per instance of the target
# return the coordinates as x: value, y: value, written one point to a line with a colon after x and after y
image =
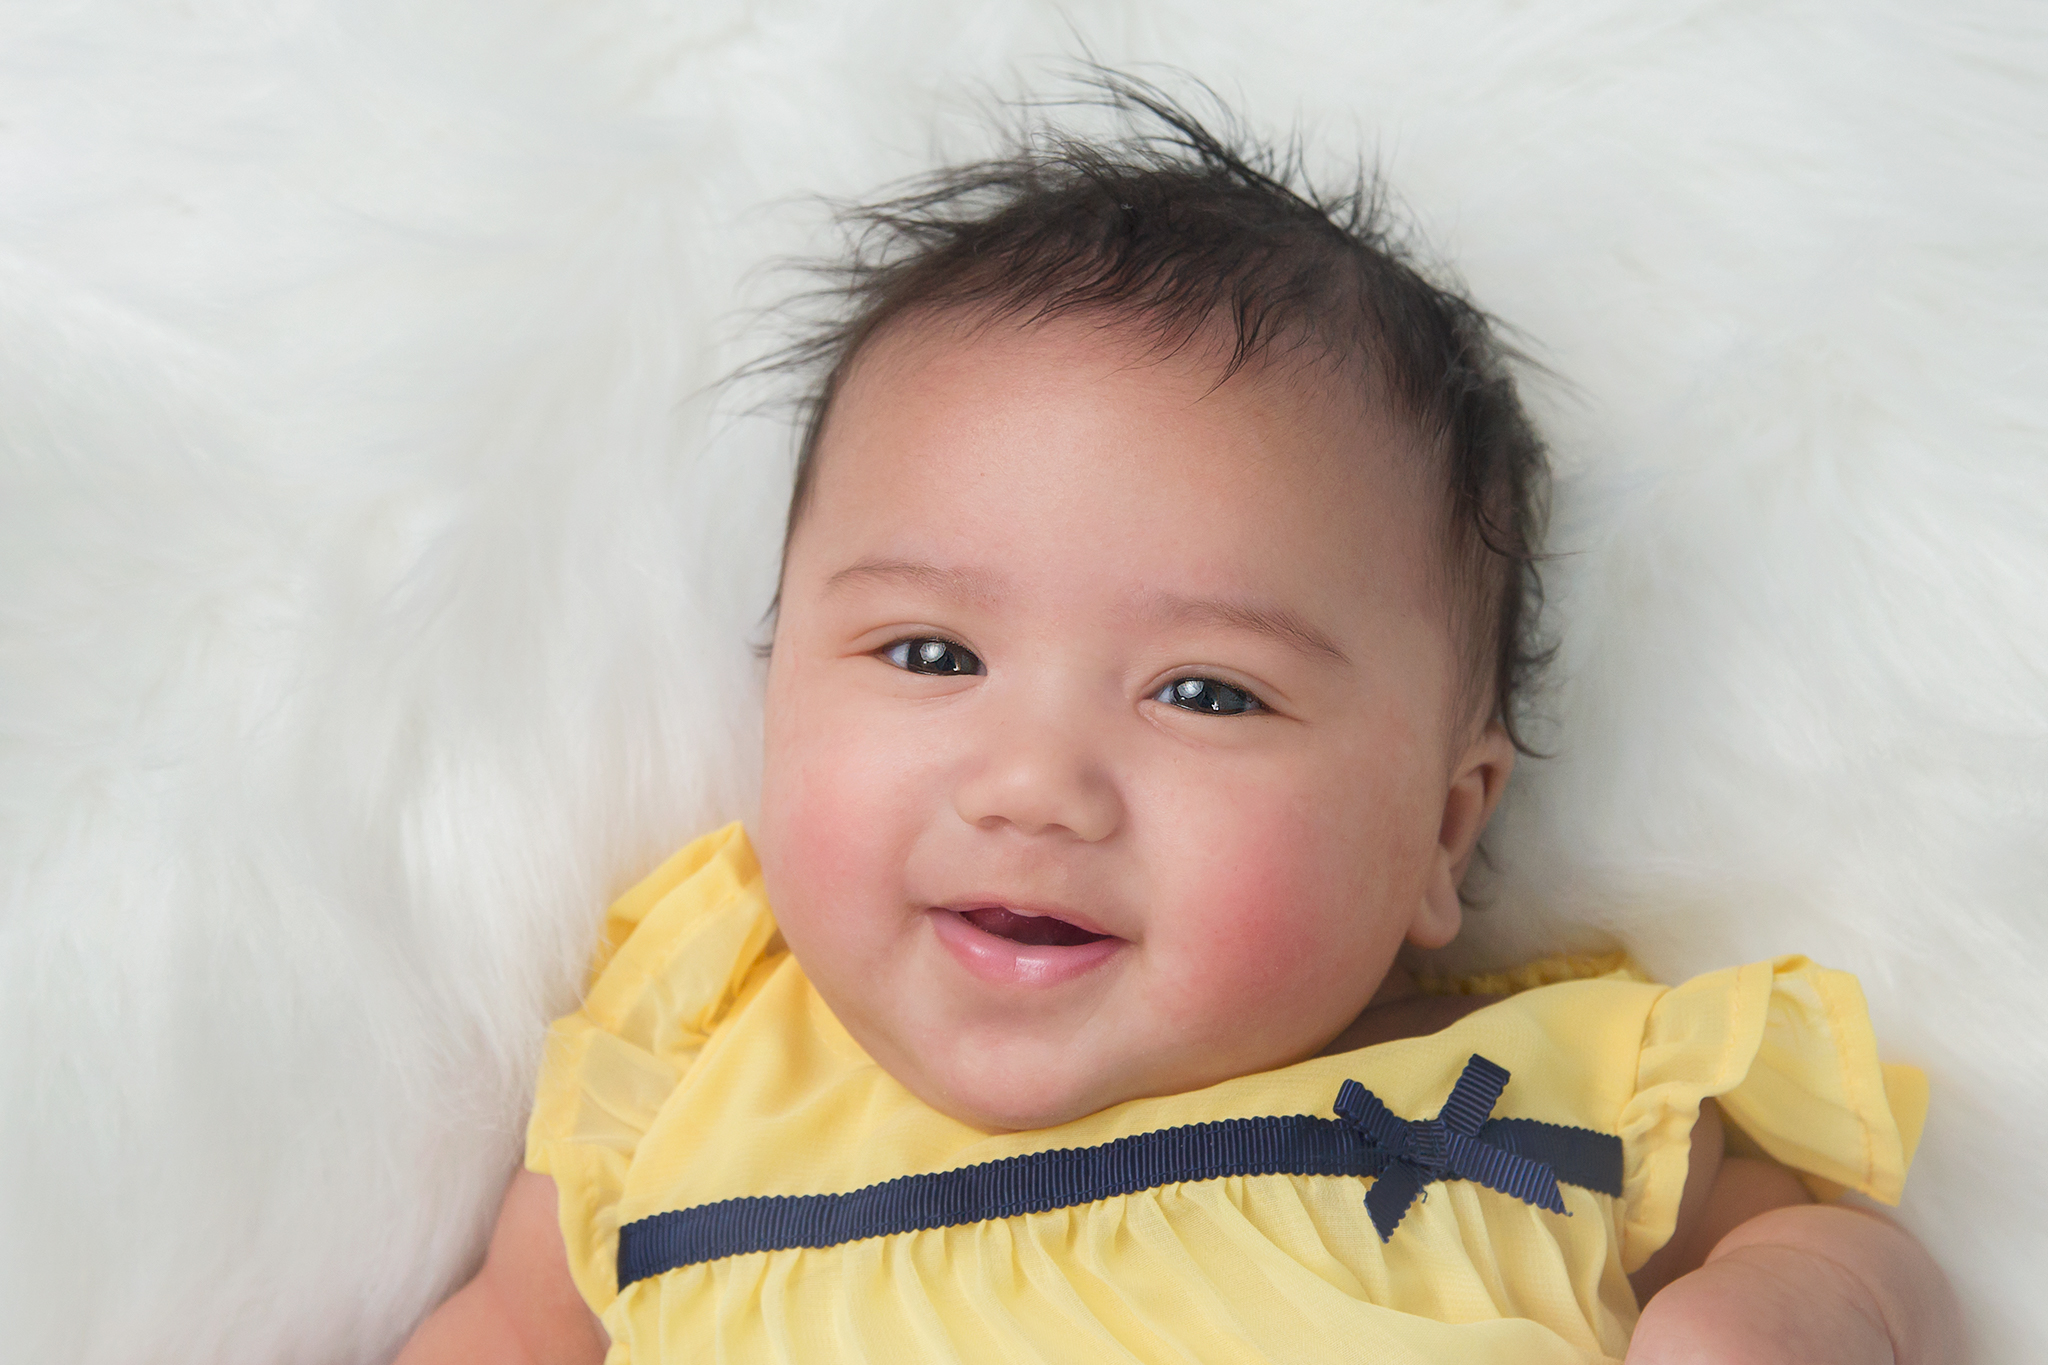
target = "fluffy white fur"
x: 378, y: 562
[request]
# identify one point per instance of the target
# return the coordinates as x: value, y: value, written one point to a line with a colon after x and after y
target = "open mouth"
x: 1012, y: 949
x: 1032, y: 930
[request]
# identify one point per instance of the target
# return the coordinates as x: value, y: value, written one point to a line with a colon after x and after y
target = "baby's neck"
x: 1401, y: 1009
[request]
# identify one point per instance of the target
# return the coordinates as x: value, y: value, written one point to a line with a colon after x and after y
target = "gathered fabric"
x: 739, y: 1181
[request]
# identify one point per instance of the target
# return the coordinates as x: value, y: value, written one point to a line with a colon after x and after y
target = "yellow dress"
x: 703, y: 1078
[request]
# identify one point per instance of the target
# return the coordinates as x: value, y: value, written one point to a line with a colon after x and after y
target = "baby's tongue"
x: 1028, y: 929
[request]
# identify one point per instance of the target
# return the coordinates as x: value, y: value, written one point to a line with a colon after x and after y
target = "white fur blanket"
x: 377, y: 564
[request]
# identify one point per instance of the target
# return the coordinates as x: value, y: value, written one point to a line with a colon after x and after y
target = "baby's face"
x: 1110, y: 736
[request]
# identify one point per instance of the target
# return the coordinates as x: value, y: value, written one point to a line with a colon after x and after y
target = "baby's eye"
x: 1209, y: 697
x: 941, y: 658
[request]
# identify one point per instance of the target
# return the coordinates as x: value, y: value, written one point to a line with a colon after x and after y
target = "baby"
x: 1155, y: 598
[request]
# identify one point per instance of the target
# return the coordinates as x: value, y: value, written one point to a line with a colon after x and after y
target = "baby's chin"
x: 1009, y: 1118
x: 1014, y: 1111
x: 1062, y: 1091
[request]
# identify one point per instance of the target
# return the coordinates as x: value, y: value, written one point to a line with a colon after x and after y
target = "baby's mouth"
x: 1031, y: 930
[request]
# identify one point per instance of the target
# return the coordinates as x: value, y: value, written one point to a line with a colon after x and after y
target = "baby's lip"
x: 1046, y: 958
x: 995, y: 915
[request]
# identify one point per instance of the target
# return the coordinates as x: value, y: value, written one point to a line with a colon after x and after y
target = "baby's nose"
x: 1040, y: 780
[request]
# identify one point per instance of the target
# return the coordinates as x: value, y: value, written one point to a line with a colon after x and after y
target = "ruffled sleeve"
x: 1787, y: 1050
x: 677, y: 951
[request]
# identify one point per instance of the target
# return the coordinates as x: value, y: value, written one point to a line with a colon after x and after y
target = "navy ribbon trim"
x: 1040, y: 1182
x: 1451, y: 1146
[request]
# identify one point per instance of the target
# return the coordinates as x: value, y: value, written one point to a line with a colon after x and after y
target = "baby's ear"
x: 1476, y: 786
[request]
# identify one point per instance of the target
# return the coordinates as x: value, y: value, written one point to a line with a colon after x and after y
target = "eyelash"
x: 923, y: 654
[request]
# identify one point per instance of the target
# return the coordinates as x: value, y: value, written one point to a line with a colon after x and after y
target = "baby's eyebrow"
x: 961, y: 583
x: 1279, y: 623
x: 1275, y: 622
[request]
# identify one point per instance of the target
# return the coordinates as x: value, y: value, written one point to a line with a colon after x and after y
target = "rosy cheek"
x: 1257, y: 937
x: 814, y: 824
x: 1277, y: 924
x: 839, y: 806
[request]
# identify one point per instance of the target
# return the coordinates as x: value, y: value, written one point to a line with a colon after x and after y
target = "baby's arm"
x: 1757, y: 1274
x: 521, y: 1308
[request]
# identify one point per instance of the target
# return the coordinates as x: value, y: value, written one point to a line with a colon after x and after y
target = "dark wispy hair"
x: 1174, y: 227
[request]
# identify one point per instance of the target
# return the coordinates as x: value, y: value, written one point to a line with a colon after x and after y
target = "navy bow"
x: 1447, y: 1147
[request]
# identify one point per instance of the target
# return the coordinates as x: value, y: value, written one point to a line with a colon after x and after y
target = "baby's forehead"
x: 1303, y: 397
x: 1061, y: 428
